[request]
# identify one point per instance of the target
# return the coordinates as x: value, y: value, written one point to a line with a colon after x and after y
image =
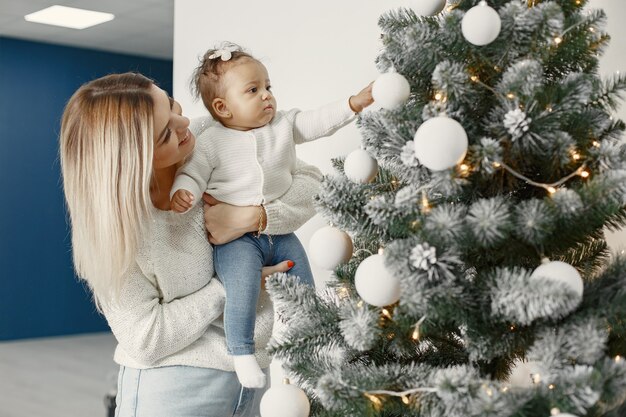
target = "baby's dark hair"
x: 205, y: 81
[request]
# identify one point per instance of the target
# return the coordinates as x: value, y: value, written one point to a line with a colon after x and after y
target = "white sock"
x: 248, y: 371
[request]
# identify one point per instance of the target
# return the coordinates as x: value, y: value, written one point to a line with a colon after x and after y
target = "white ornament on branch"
x: 428, y: 7
x: 526, y: 374
x: 391, y: 90
x: 560, y: 272
x: 285, y: 400
x: 440, y: 143
x: 423, y: 256
x: 481, y: 24
x: 360, y: 166
x: 330, y: 247
x: 375, y: 284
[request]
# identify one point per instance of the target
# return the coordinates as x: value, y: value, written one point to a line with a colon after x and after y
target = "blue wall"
x: 39, y: 293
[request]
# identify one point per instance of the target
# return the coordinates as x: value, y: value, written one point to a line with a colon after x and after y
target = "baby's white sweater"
x: 255, y: 167
x: 170, y: 307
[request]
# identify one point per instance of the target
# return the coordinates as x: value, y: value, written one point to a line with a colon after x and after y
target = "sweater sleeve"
x: 315, y: 124
x: 149, y: 329
x: 194, y: 175
x: 294, y: 208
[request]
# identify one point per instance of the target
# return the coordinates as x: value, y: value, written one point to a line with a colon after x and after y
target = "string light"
x: 375, y: 400
x: 474, y: 78
x: 550, y: 188
x: 406, y: 400
x: 464, y: 169
x: 425, y: 203
x: 343, y: 292
x: 584, y: 174
x: 551, y: 386
x: 535, y: 378
x: 438, y: 96
x: 555, y: 411
x: 595, y: 144
x: 592, y: 29
x: 386, y: 313
x: 558, y: 40
x: 618, y: 359
x: 575, y: 156
x: 549, y: 109
x: 416, y: 331
x: 510, y: 96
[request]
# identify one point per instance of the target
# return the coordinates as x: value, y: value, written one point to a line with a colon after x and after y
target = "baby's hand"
x: 182, y: 200
x: 362, y: 100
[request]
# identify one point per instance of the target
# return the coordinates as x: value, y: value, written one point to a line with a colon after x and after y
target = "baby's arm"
x: 193, y: 177
x: 315, y: 124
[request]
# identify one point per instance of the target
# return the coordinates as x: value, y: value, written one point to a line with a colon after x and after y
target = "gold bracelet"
x: 258, y: 235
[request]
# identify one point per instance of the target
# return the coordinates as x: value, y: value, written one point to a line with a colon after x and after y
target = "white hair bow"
x: 224, y: 53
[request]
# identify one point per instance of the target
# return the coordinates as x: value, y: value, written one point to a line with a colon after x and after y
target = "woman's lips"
x: 186, y: 138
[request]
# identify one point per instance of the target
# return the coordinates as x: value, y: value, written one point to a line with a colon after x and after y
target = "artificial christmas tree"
x: 528, y: 168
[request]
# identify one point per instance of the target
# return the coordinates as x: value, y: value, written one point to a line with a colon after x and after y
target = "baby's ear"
x: 221, y: 109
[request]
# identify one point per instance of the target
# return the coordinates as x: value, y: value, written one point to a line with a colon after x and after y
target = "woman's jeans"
x: 184, y: 391
x: 238, y: 265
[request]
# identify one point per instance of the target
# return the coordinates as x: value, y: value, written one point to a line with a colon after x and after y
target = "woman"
x: 122, y: 140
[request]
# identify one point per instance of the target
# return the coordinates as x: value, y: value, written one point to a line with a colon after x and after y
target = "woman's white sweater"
x: 170, y: 307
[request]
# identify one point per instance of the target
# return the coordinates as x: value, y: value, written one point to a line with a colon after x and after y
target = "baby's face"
x: 248, y: 95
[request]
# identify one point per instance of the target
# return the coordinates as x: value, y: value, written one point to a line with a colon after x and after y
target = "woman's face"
x: 173, y: 140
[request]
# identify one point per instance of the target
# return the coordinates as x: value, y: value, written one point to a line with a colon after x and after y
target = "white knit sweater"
x: 255, y: 167
x: 169, y: 311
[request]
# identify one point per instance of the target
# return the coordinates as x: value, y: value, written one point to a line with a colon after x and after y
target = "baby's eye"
x: 253, y: 90
x: 269, y: 88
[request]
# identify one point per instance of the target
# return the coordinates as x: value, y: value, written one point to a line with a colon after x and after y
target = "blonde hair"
x: 206, y: 80
x: 106, y: 148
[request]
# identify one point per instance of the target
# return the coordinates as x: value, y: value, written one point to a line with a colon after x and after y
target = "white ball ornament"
x: 285, y: 400
x: 391, y: 90
x: 330, y: 247
x: 360, y: 167
x: 560, y: 272
x: 428, y: 7
x: 525, y: 374
x: 481, y: 24
x: 440, y: 143
x: 375, y: 284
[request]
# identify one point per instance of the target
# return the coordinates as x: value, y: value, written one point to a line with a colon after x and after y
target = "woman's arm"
x: 294, y: 208
x: 149, y: 329
x: 284, y: 215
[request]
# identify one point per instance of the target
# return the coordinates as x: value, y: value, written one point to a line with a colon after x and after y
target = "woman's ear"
x: 221, y: 108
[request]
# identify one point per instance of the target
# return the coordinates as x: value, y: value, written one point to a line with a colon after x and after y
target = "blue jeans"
x: 184, y: 391
x: 238, y: 265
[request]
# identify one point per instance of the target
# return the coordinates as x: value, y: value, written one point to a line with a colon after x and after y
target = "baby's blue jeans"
x: 238, y: 265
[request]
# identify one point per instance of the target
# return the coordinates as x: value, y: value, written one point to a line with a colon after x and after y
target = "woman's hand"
x: 225, y: 222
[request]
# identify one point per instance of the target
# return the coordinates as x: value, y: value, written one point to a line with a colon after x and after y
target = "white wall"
x: 315, y: 52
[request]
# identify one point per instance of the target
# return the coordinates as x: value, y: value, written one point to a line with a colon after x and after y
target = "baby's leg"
x: 288, y: 247
x: 238, y: 265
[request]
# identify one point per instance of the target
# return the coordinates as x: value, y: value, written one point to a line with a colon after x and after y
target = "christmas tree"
x: 471, y: 273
